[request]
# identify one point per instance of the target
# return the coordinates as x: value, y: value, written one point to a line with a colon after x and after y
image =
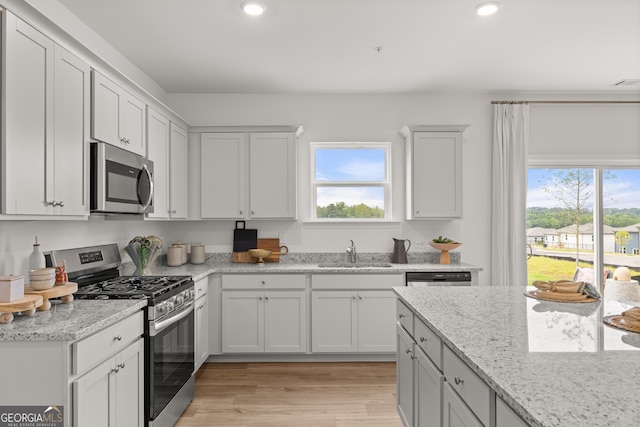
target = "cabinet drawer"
x: 97, y: 347
x: 473, y: 391
x: 404, y: 316
x: 356, y: 281
x: 429, y: 342
x: 263, y: 281
x: 201, y: 287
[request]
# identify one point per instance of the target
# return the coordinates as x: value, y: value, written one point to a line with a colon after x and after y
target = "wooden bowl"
x: 260, y: 254
x: 444, y: 246
x: 444, y: 249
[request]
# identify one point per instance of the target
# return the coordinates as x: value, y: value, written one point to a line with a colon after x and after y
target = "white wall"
x: 359, y: 118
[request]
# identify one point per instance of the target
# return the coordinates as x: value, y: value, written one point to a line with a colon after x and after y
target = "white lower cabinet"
x: 435, y: 387
x: 505, y: 417
x: 353, y: 321
x: 357, y: 320
x: 429, y: 382
x: 109, y: 391
x: 109, y: 395
x: 201, y: 322
x: 257, y: 317
x: 456, y: 412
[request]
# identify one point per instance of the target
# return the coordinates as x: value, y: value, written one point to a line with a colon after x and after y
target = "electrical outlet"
x: 420, y: 244
x: 283, y: 237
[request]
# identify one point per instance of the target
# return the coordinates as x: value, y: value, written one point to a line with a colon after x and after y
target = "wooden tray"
x: 26, y: 305
x: 271, y: 244
x: 65, y: 291
x: 544, y: 296
x: 618, y: 322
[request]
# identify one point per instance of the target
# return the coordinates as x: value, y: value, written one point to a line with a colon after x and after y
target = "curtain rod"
x: 565, y: 102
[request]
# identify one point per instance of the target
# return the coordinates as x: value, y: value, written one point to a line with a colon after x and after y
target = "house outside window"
x: 351, y: 181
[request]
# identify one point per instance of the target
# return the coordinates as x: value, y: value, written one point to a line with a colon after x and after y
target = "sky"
x: 624, y: 188
x: 354, y: 165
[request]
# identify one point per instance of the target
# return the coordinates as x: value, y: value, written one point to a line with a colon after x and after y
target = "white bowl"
x: 42, y: 274
x: 40, y: 285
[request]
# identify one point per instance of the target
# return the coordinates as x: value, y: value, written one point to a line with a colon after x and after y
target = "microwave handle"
x: 146, y: 205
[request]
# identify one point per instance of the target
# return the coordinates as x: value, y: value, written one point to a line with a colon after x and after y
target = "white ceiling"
x: 329, y: 46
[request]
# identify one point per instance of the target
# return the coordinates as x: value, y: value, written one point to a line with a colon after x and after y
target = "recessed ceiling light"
x: 487, y: 8
x: 253, y: 8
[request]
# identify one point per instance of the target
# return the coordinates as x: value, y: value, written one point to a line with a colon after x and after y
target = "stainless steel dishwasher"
x: 439, y: 278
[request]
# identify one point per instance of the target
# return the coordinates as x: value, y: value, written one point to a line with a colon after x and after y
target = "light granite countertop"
x: 555, y: 364
x: 68, y: 322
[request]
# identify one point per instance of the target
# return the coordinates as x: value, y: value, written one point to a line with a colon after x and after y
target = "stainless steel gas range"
x: 169, y: 323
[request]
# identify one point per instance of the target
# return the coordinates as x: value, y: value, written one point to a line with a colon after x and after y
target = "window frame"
x: 385, y: 184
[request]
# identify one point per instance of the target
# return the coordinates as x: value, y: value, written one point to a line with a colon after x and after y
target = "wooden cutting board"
x: 272, y: 244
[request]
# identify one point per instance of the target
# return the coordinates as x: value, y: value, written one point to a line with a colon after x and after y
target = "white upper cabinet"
x: 248, y: 175
x: 434, y: 171
x: 272, y: 175
x: 167, y: 149
x: 222, y: 175
x: 178, y: 172
x: 118, y: 117
x: 158, y: 153
x: 45, y: 134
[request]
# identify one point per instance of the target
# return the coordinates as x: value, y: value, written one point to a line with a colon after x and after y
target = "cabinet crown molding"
x: 298, y: 129
x: 407, y: 129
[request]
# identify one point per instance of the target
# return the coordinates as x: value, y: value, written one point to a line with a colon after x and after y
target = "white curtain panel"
x: 509, y: 195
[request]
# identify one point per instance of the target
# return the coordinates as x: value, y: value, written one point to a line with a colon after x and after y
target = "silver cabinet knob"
x: 458, y: 380
x: 422, y: 339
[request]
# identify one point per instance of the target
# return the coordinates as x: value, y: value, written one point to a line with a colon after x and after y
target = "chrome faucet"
x: 351, y: 250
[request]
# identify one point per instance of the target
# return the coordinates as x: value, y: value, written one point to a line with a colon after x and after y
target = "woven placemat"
x: 618, y: 322
x: 544, y: 296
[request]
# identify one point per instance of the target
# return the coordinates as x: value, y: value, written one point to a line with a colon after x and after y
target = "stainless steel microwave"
x: 121, y: 181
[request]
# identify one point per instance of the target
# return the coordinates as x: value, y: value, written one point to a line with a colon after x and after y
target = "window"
x: 350, y: 181
x: 561, y: 201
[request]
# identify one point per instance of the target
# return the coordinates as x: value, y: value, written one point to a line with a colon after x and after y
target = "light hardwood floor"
x: 294, y: 394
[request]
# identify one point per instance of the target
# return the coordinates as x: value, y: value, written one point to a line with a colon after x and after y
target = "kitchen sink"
x: 355, y: 265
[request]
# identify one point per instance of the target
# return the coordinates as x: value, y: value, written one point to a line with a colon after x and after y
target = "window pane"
x: 350, y: 164
x: 560, y: 205
x: 350, y: 202
x: 559, y: 222
x: 621, y: 203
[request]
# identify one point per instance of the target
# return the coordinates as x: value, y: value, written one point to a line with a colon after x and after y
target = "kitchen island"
x: 553, y: 364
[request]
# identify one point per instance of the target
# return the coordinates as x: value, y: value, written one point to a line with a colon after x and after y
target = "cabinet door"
x: 376, y: 321
x: 178, y: 172
x: 158, y: 153
x: 70, y: 152
x: 456, y: 413
x: 437, y: 175
x: 428, y: 391
x: 242, y: 322
x: 91, y: 394
x: 128, y: 386
x: 28, y: 104
x: 334, y: 321
x: 132, y: 123
x: 105, y: 112
x: 272, y: 174
x: 506, y: 417
x: 405, y: 376
x: 285, y: 323
x: 202, y: 330
x: 222, y: 175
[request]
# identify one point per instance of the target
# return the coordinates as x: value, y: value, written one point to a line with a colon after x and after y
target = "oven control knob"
x: 179, y: 299
x: 160, y: 309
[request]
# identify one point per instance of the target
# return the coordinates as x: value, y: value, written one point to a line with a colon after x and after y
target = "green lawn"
x: 547, y: 269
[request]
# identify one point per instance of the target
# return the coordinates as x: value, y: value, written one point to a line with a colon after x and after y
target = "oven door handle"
x: 156, y: 327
